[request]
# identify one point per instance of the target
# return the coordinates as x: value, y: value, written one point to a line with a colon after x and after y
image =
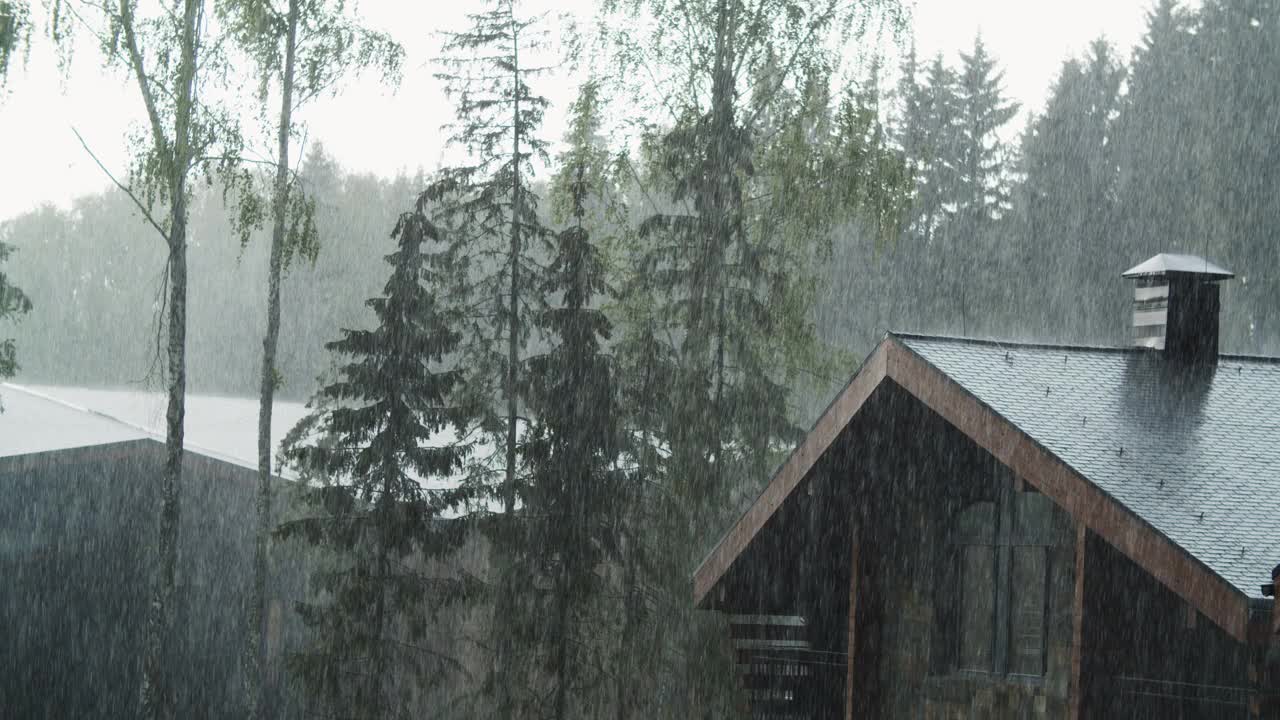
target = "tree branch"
x: 139, y: 72
x: 146, y: 212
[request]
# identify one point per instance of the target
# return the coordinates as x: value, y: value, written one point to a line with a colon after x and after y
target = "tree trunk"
x: 157, y: 694
x: 630, y: 628
x: 280, y: 208
x: 562, y: 645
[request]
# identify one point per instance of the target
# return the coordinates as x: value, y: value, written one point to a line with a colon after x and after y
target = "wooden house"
x: 981, y: 529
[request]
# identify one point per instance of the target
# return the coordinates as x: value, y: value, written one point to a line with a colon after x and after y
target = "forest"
x: 591, y: 351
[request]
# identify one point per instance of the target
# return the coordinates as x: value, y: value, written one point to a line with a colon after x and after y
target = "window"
x: 1003, y: 569
x: 977, y: 607
x: 1027, y: 575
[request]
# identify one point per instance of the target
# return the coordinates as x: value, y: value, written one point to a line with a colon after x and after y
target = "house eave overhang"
x: 1197, y: 584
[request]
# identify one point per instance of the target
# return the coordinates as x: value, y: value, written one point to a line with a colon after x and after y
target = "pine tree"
x: 376, y: 442
x: 494, y: 226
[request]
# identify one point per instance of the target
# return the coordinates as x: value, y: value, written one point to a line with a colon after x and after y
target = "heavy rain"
x: 631, y: 359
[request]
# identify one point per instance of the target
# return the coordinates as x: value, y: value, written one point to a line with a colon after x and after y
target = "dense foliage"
x: 378, y: 508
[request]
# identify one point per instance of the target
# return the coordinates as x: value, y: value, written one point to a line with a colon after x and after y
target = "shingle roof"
x: 1196, y: 457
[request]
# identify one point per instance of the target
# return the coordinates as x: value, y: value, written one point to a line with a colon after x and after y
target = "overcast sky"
x: 369, y: 128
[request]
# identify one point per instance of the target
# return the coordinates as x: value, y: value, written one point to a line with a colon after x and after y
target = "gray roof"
x: 1196, y: 457
x: 45, y: 418
x: 1171, y: 263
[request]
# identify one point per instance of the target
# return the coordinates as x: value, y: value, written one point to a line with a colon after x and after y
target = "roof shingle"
x: 1195, y: 455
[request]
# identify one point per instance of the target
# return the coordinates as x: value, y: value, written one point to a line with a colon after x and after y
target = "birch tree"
x: 13, y: 304
x: 170, y: 58
x: 302, y: 49
x: 15, y: 32
x: 747, y: 197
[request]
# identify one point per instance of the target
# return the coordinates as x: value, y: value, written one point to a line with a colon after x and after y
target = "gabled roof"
x: 1171, y: 263
x: 1176, y: 470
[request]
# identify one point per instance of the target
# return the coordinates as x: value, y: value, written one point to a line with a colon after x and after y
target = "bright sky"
x: 370, y: 128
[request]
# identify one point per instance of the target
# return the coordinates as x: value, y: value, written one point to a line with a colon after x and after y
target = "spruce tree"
x: 981, y: 182
x: 1064, y: 205
x: 496, y: 231
x: 574, y: 488
x: 1157, y: 129
x: 937, y: 155
x: 382, y: 513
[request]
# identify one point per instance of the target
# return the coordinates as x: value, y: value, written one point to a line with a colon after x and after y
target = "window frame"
x: 1004, y: 535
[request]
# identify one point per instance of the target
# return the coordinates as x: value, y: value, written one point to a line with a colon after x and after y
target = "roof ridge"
x: 78, y: 408
x: 1015, y: 343
x: 994, y: 342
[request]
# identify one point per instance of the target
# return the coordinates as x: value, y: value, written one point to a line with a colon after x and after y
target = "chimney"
x: 1175, y: 306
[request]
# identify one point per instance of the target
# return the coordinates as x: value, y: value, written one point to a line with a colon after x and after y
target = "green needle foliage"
x: 495, y: 231
x: 572, y: 505
x: 382, y: 517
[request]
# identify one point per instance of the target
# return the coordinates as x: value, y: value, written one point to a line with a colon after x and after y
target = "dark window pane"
x: 976, y: 524
x: 1032, y: 519
x: 1026, y: 622
x: 977, y: 606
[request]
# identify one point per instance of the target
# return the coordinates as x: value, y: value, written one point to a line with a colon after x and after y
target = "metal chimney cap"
x: 1166, y: 263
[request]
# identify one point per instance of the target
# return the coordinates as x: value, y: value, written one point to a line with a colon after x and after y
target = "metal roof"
x: 48, y: 418
x: 1171, y: 263
x: 44, y: 418
x: 1198, y: 457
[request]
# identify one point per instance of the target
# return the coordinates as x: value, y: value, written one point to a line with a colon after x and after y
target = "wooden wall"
x: 1147, y: 654
x: 920, y: 471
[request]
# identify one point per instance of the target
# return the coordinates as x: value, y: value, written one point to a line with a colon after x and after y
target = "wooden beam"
x: 851, y: 652
x: 1077, y: 626
x: 796, y: 468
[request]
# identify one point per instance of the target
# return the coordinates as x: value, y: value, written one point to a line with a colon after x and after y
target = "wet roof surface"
x: 44, y: 418
x: 1197, y: 457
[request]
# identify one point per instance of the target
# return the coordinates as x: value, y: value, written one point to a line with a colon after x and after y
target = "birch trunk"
x: 157, y: 694
x: 280, y: 208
